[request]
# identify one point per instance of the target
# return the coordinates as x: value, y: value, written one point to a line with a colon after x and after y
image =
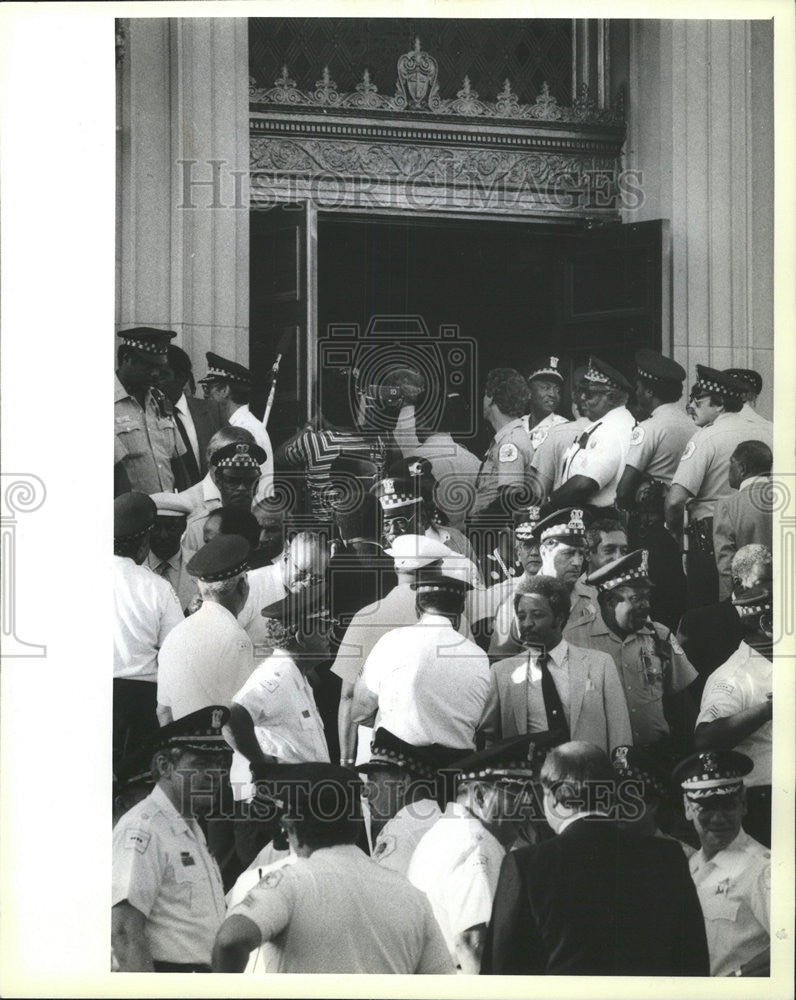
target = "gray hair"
x: 220, y: 590
x: 747, y: 559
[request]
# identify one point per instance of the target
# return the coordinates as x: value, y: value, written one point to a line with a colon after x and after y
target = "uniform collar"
x: 174, y: 561
x: 430, y: 618
x: 582, y: 588
x: 209, y: 489
x: 731, y: 860
x: 512, y: 425
x: 753, y: 479
x: 581, y: 815
x: 213, y: 608
x: 598, y: 627
x: 618, y: 413
x: 182, y: 405
x: 177, y: 822
x: 751, y: 655
x: 667, y: 408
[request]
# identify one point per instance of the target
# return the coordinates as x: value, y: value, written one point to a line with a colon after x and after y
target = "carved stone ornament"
x: 417, y: 92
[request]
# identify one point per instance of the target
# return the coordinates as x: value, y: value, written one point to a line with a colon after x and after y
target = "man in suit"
x: 710, y: 635
x: 197, y: 420
x: 746, y: 516
x: 593, y: 900
x: 553, y: 685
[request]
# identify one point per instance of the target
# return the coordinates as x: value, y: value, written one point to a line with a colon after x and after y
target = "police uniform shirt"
x: 657, y: 443
x: 457, y: 542
x: 507, y: 461
x: 398, y: 608
x: 705, y: 464
x: 734, y: 890
x: 548, y: 459
x: 173, y: 571
x: 482, y: 603
x: 162, y: 867
x: 430, y: 683
x: 146, y: 440
x: 266, y: 587
x: 243, y: 417
x: 286, y: 720
x: 455, y: 470
x: 399, y: 837
x: 337, y: 912
x: 742, y: 682
x: 266, y: 957
x: 204, y: 661
x: 146, y: 611
x: 583, y: 601
x: 600, y: 454
x: 538, y: 433
x: 641, y: 670
x: 750, y: 413
x: 202, y: 497
x: 457, y: 864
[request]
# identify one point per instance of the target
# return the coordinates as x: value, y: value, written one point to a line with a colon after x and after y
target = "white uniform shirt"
x: 162, y: 867
x: 750, y: 413
x: 538, y: 434
x: 265, y: 588
x: 337, y: 912
x: 204, y: 661
x: 657, y: 443
x: 286, y: 720
x: 399, y: 837
x: 242, y: 417
x: 264, y: 958
x: 740, y: 683
x: 600, y: 453
x: 431, y: 683
x: 146, y: 610
x: 734, y: 890
x: 457, y: 864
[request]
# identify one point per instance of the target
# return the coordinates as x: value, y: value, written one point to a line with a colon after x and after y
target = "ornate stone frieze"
x: 417, y: 92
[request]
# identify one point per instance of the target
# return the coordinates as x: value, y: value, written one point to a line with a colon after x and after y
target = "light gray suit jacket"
x: 597, y: 706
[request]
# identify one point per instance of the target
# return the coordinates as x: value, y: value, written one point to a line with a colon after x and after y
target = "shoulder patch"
x: 385, y: 846
x: 637, y: 435
x: 137, y: 840
x: 508, y: 452
x: 272, y: 879
x: 690, y: 448
x: 271, y: 684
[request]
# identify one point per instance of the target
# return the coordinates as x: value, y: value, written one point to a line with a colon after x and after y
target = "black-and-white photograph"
x: 451, y: 557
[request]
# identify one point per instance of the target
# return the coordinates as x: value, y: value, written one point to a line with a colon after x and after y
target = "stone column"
x: 183, y: 230
x: 701, y: 131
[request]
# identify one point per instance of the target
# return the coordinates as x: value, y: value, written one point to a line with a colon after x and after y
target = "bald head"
x: 305, y: 561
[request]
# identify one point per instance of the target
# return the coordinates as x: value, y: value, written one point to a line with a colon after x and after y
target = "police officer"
x: 148, y: 449
x: 544, y: 382
x: 230, y: 385
x: 168, y: 901
x: 754, y: 386
x: 548, y: 457
x: 165, y: 554
x: 506, y: 468
x: 732, y: 872
x: 594, y: 463
x: 702, y: 475
x: 653, y: 668
x: 656, y: 445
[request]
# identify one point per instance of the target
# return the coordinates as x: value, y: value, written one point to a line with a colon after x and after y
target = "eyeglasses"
x: 723, y: 803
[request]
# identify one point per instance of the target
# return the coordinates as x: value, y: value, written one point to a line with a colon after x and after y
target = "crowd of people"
x: 381, y: 705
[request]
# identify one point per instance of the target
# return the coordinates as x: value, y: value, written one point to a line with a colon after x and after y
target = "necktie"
x: 188, y: 458
x: 556, y: 720
x: 164, y: 569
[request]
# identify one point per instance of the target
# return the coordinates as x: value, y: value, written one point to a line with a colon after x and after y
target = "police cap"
x: 133, y: 516
x: 656, y: 367
x: 222, y: 558
x: 147, y: 339
x: 632, y: 568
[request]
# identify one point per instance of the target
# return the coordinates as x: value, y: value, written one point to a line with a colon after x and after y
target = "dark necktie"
x: 191, y: 465
x: 556, y: 720
x: 164, y: 569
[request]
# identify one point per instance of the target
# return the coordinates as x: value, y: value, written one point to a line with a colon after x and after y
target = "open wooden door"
x: 282, y: 309
x: 613, y: 293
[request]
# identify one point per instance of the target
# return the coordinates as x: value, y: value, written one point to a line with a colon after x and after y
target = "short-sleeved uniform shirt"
x: 338, y: 912
x: 286, y: 720
x: 430, y: 683
x: 507, y: 461
x: 146, y: 611
x: 457, y: 864
x: 750, y: 413
x: 600, y: 453
x: 162, y: 867
x: 538, y: 434
x: 548, y: 458
x: 204, y: 661
x: 657, y: 443
x: 646, y: 669
x: 266, y: 587
x: 399, y: 837
x: 146, y: 440
x: 740, y: 683
x: 243, y: 417
x: 734, y: 890
x: 704, y: 466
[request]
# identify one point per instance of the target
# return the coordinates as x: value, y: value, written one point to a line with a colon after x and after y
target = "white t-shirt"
x: 740, y: 683
x: 147, y: 609
x: 430, y: 682
x: 286, y: 720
